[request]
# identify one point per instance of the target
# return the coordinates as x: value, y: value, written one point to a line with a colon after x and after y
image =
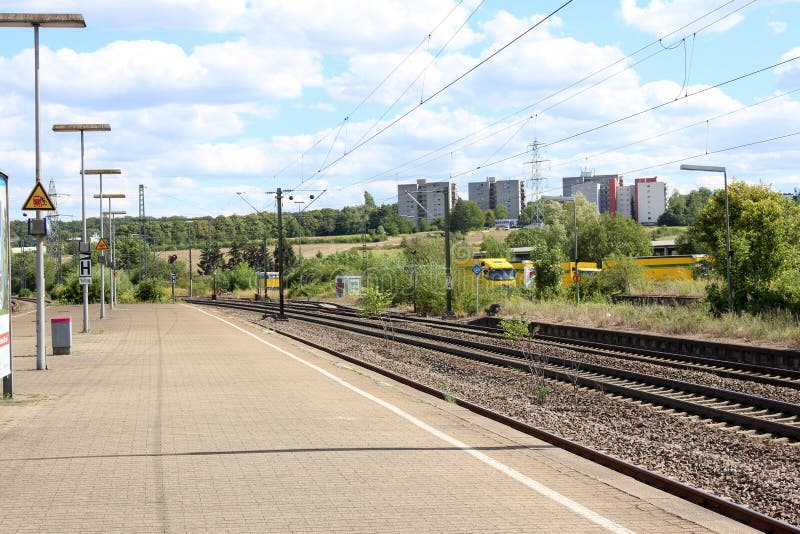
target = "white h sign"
x: 85, y: 268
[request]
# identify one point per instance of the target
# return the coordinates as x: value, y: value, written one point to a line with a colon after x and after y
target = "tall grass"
x: 779, y: 327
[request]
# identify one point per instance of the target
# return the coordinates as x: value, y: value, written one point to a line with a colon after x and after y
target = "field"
x: 311, y: 249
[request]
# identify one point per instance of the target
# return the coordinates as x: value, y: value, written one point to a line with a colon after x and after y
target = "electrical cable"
x: 719, y: 151
x: 578, y: 82
x: 375, y: 89
x: 446, y: 87
x: 679, y: 129
x: 410, y: 85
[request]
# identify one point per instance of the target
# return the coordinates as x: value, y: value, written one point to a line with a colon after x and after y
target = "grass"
x: 779, y: 328
x: 683, y: 288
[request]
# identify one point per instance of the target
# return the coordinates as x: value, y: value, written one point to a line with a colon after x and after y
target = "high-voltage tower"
x: 54, y: 237
x: 537, y: 217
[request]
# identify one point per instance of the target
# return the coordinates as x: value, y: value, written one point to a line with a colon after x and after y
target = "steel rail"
x: 609, y: 379
x: 684, y: 491
x: 721, y: 405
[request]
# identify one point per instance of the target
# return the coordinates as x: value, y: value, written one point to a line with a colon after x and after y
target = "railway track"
x: 722, y: 505
x: 739, y: 410
x: 766, y: 375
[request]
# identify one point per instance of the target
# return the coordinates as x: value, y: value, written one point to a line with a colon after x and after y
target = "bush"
x: 616, y: 279
x: 549, y: 275
x: 374, y: 302
x: 148, y: 291
x: 242, y: 276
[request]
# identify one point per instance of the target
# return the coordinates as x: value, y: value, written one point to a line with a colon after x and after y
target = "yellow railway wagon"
x: 585, y: 268
x: 667, y: 268
x: 495, y: 272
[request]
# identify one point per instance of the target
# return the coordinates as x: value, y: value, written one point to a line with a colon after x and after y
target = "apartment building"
x: 424, y: 199
x: 493, y: 192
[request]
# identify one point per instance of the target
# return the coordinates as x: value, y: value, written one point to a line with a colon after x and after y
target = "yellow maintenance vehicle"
x: 668, y: 268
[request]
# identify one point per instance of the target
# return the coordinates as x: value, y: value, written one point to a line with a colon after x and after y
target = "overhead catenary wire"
x: 415, y: 80
x: 718, y: 151
x: 638, y: 113
x: 669, y: 102
x: 374, y: 89
x: 660, y: 40
x: 445, y: 88
x: 679, y: 129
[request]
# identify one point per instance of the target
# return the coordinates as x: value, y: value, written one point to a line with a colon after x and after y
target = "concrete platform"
x: 168, y: 418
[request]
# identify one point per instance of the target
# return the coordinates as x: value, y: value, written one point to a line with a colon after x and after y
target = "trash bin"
x: 61, y: 334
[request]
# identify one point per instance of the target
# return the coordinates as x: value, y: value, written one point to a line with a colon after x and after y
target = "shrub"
x: 148, y: 291
x: 374, y: 302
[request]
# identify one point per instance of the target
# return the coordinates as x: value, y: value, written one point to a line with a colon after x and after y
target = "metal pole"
x: 477, y: 285
x: 728, y: 243
x: 191, y: 266
x: 575, y: 229
x: 112, y: 282
x: 8, y: 380
x: 447, y: 274
x: 85, y: 239
x: 102, y: 254
x: 300, y: 244
x: 279, y: 198
x: 263, y: 267
x: 415, y: 280
x: 41, y: 350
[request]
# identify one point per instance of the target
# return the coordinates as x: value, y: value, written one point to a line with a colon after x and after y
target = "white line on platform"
x: 516, y: 475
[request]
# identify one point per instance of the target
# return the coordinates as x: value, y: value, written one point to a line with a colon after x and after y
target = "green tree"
x: 235, y: 255
x: 489, y: 218
x: 494, y: 248
x: 608, y: 235
x: 528, y: 237
x: 210, y: 260
x: 549, y: 274
x: 466, y: 215
x: 682, y: 209
x: 765, y: 245
x: 501, y: 211
x: 369, y: 202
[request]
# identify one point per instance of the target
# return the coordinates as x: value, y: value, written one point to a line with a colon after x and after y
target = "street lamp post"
x: 575, y: 275
x: 40, y: 20
x: 101, y: 196
x: 707, y: 168
x: 100, y: 173
x: 84, y: 245
x: 113, y: 257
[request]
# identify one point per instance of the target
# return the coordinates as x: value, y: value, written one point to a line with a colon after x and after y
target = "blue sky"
x: 207, y: 98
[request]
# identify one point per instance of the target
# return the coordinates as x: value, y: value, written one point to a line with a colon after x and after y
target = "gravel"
x: 760, y: 473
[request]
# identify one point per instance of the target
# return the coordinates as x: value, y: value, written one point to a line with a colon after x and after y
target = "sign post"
x: 173, y: 277
x: 476, y: 270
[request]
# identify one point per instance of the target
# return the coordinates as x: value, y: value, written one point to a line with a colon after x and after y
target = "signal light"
x: 172, y: 258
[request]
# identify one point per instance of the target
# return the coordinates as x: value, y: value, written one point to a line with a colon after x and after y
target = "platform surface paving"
x: 169, y: 418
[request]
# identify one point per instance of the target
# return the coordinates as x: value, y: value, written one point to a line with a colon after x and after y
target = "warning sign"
x: 38, y: 200
x: 101, y: 245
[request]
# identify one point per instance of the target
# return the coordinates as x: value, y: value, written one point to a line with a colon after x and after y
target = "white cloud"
x: 661, y: 17
x: 195, y: 123
x: 788, y: 74
x: 777, y: 26
x: 143, y: 73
